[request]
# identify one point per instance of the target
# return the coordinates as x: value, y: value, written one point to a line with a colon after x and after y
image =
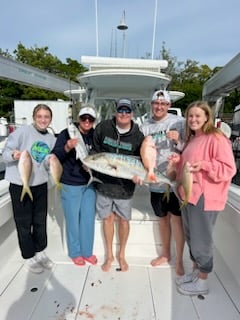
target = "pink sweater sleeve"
x: 222, y: 166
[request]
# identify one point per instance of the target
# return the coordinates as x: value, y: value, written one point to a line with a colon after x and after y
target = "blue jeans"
x: 79, y: 210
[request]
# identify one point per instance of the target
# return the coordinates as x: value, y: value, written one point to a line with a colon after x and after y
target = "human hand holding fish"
x: 137, y: 180
x: 174, y: 158
x: 70, y: 144
x: 172, y: 134
x: 195, y: 167
x: 16, y: 154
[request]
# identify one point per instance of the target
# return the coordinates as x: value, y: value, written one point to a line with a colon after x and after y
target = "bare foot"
x: 159, y: 260
x: 123, y: 264
x: 179, y: 269
x: 107, y: 264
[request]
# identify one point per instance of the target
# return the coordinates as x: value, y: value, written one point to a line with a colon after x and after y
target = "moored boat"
x: 144, y: 292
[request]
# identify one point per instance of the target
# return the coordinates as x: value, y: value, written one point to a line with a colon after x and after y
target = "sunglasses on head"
x: 86, y: 118
x: 122, y: 110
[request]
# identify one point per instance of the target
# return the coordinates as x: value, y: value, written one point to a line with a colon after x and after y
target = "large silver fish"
x: 123, y: 166
x: 25, y: 171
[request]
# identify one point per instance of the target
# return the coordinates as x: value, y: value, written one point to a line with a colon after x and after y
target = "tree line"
x: 187, y: 76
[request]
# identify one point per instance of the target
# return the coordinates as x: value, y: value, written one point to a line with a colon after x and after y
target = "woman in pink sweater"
x: 209, y: 154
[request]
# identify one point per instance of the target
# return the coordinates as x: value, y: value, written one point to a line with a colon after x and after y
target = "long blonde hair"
x: 208, y: 126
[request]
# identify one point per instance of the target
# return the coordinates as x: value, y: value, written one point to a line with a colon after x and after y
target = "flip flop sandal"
x: 92, y: 259
x: 79, y: 261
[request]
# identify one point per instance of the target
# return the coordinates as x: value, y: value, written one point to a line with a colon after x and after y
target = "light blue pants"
x: 79, y: 210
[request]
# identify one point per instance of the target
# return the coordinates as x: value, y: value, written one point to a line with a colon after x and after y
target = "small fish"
x: 25, y: 170
x: 81, y: 150
x: 56, y: 170
x: 186, y: 183
x: 149, y: 154
x: 123, y: 166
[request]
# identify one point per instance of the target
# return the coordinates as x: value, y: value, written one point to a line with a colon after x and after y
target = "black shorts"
x: 161, y: 206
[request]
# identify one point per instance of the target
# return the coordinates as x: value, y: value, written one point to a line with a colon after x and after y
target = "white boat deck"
x: 143, y: 293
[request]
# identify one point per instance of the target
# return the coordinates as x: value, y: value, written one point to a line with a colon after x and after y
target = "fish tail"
x: 183, y: 204
x: 59, y: 186
x: 24, y: 191
x: 186, y: 199
x: 92, y: 179
x: 167, y: 194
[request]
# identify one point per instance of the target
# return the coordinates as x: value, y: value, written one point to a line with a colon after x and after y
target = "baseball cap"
x: 124, y: 102
x: 88, y: 109
x: 161, y: 94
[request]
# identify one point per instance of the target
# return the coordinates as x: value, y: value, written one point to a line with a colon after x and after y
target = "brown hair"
x: 39, y: 107
x: 208, y: 126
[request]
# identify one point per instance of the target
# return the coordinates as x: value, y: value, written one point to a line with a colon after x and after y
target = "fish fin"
x: 59, y: 186
x: 167, y: 194
x: 183, y: 204
x: 92, y: 179
x: 24, y: 191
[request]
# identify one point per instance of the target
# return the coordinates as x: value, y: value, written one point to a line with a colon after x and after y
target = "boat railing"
x: 5, y: 202
x: 132, y: 67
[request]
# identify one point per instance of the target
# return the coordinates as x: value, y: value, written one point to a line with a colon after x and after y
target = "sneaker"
x: 43, y: 259
x: 187, y: 277
x: 198, y: 286
x: 34, y: 266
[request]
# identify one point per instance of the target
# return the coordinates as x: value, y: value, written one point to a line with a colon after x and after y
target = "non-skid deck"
x: 70, y: 292
x: 142, y: 293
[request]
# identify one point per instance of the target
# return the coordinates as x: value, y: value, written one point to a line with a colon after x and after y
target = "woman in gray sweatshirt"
x: 27, y: 153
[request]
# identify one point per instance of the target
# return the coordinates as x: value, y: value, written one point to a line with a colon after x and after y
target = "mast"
x: 123, y: 26
x: 96, y: 17
x: 154, y: 27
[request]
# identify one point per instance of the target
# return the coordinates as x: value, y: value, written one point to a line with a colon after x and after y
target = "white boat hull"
x: 71, y: 292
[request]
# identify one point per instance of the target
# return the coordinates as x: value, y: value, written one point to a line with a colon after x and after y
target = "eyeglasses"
x: 85, y: 118
x: 161, y: 103
x: 122, y: 110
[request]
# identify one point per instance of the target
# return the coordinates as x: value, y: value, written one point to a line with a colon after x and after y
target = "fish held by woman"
x: 186, y: 183
x: 25, y: 171
x: 56, y: 170
x: 81, y: 150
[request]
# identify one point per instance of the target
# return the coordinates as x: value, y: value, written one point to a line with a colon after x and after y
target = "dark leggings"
x: 30, y: 218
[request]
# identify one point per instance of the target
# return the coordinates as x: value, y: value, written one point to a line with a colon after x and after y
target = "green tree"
x: 187, y: 77
x: 41, y: 59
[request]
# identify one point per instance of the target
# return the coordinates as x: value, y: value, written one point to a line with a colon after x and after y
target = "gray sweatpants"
x: 198, y: 228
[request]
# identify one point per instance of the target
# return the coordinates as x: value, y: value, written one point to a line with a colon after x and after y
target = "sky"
x: 206, y: 31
